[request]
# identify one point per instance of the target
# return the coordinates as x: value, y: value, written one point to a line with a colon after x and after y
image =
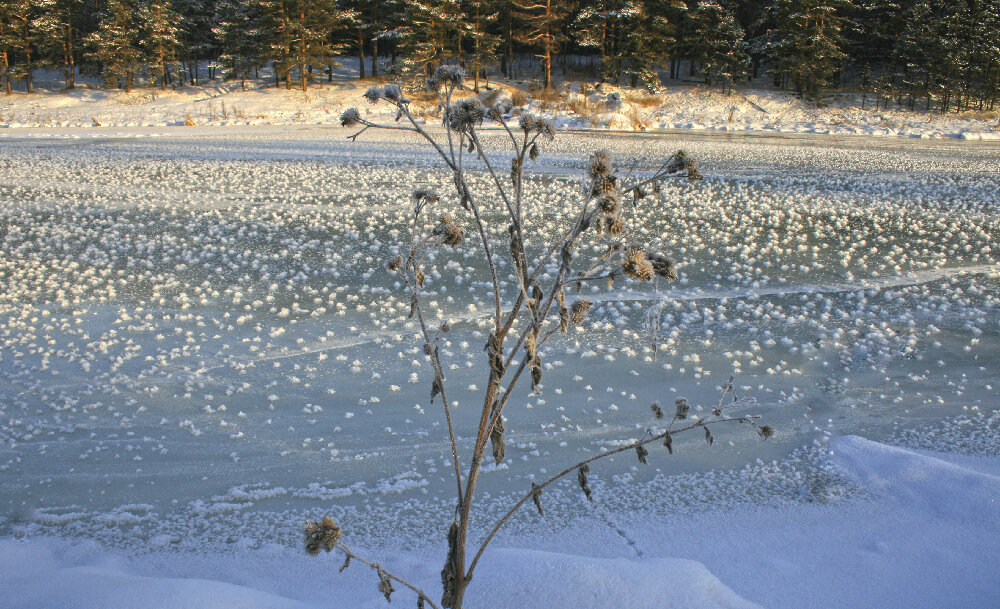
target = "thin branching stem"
x: 382, y: 571
x: 613, y: 451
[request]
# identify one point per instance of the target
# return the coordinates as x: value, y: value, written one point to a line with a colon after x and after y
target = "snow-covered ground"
x: 200, y: 349
x: 753, y: 109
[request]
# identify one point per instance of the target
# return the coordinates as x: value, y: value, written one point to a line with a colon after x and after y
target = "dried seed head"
x: 530, y: 123
x: 465, y: 114
x: 452, y: 235
x: 610, y: 201
x: 692, y: 170
x: 662, y: 266
x: 350, y: 117
x: 614, y: 225
x: 677, y: 162
x: 394, y: 264
x: 766, y: 431
x: 601, y: 165
x: 578, y: 310
x: 682, y: 407
x: 641, y: 453
x: 322, y: 535
x: 426, y: 195
x: 657, y: 410
x: 637, y: 266
x: 447, y: 75
x: 373, y: 94
x: 498, y: 110
x: 394, y: 94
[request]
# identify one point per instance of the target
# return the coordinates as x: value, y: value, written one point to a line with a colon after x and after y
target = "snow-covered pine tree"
x: 161, y: 37
x: 4, y: 65
x: 542, y: 21
x: 718, y: 44
x: 197, y: 41
x: 58, y: 24
x: 649, y: 42
x: 432, y: 35
x: 804, y: 46
x: 20, y: 35
x: 241, y: 38
x: 984, y: 62
x: 114, y: 45
x: 481, y: 16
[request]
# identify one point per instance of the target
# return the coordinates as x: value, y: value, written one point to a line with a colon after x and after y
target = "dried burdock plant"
x: 521, y: 323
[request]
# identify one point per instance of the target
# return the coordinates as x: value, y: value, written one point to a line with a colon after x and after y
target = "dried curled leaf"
x: 536, y: 374
x: 708, y: 437
x: 533, y: 152
x: 347, y: 563
x: 449, y: 574
x: 385, y: 585
x: 668, y: 443
x: 536, y: 494
x: 581, y: 477
x: 497, y: 436
x: 436, y: 387
x: 641, y: 453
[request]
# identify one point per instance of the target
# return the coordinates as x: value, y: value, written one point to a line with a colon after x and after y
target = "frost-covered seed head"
x: 322, y: 535
x: 662, y: 266
x: 578, y: 310
x: 426, y: 195
x: 465, y: 114
x: 350, y: 117
x: 637, y: 266
x: 373, y: 94
x: 682, y: 408
x: 601, y: 165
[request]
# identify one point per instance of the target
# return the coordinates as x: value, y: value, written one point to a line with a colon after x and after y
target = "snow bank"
x: 47, y: 573
x: 923, y: 482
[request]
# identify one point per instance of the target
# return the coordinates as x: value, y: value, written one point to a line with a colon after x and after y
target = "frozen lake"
x: 199, y: 342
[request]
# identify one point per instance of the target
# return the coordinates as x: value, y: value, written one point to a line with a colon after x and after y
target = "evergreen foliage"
x: 924, y: 54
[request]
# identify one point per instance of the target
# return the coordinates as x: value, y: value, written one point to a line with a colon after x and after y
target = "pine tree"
x: 481, y: 15
x: 196, y: 37
x: 21, y: 34
x: 242, y: 38
x: 115, y: 45
x: 4, y: 63
x: 804, y: 46
x: 719, y: 44
x: 59, y: 27
x: 161, y: 31
x: 433, y: 34
x: 542, y: 20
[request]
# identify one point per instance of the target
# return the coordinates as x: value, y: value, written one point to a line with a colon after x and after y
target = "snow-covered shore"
x: 222, y: 103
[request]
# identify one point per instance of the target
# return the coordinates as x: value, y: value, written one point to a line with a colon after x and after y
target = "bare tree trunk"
x: 361, y: 55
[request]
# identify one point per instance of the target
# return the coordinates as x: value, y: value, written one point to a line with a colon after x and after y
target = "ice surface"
x: 200, y: 347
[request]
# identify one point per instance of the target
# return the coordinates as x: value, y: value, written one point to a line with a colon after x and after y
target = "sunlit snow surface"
x: 199, y: 342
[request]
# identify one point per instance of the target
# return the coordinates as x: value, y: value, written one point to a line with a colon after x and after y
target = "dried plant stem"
x: 381, y: 570
x: 614, y: 451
